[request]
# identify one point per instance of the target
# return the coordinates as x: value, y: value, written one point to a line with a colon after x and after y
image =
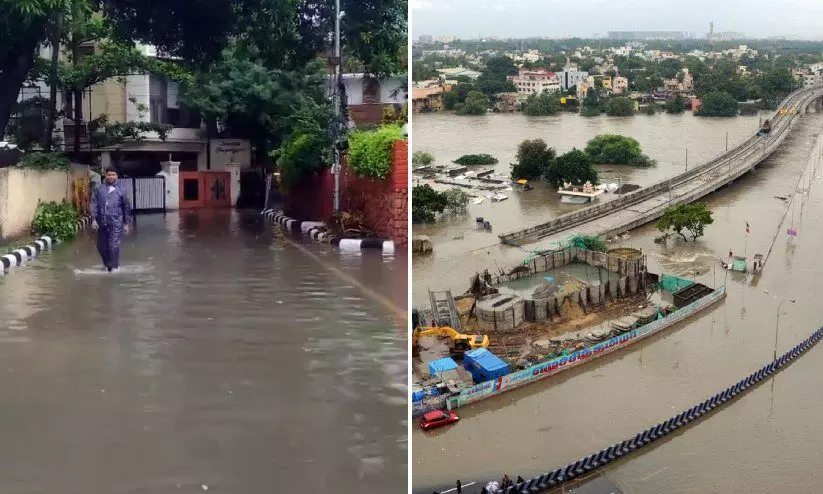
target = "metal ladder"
x: 443, y: 307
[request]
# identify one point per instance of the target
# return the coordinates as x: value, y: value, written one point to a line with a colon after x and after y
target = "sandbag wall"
x: 573, y: 471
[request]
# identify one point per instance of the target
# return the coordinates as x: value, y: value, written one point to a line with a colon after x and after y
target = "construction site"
x: 554, y: 304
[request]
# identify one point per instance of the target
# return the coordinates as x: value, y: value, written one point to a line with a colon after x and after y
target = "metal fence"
x: 146, y: 194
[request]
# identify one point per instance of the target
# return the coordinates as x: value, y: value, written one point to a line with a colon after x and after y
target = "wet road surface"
x: 222, y: 358
x: 764, y: 442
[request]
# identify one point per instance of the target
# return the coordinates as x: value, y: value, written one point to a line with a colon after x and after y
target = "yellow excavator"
x: 462, y: 342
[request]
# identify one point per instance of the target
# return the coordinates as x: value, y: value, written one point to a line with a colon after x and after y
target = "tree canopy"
x: 614, y: 149
x: 620, y: 107
x: 690, y: 217
x: 574, y: 167
x: 545, y: 103
x: 534, y: 159
x: 476, y: 104
x: 717, y: 105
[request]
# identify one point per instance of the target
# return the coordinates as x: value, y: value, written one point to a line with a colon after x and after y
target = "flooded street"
x: 223, y: 358
x: 764, y: 441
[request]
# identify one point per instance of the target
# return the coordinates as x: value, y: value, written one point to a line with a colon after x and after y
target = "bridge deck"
x: 648, y: 204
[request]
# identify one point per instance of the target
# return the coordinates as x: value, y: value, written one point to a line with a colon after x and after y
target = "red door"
x: 191, y: 190
x: 217, y: 189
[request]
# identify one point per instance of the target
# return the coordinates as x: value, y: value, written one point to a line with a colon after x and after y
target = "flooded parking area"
x: 224, y: 357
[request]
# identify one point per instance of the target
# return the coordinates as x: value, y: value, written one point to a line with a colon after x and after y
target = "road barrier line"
x: 585, y: 466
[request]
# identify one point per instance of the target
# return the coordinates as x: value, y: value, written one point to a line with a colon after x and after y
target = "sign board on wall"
x: 225, y: 151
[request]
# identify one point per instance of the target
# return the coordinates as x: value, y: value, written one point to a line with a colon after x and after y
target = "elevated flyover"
x: 648, y: 203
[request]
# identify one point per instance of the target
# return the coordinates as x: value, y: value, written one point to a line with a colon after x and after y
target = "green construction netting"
x: 673, y: 283
x: 739, y: 264
x: 575, y: 241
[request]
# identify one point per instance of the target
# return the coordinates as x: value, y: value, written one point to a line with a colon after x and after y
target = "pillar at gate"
x: 171, y: 170
x: 234, y: 180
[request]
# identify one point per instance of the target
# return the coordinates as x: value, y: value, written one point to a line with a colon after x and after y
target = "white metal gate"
x: 146, y: 194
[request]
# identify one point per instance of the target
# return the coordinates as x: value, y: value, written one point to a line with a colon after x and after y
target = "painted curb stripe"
x: 313, y: 229
x: 18, y: 257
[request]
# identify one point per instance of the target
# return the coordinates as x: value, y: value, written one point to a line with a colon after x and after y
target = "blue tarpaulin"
x: 484, y: 365
x: 439, y: 366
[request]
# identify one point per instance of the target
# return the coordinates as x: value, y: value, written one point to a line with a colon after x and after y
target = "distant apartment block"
x: 535, y: 81
x: 570, y: 78
x: 620, y: 85
x: 425, y: 39
x: 649, y: 35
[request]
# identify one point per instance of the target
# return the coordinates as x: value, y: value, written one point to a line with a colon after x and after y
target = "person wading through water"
x: 111, y: 214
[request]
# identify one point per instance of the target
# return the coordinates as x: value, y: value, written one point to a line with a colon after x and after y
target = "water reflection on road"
x: 222, y: 356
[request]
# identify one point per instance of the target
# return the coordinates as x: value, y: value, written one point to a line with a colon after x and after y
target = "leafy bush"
x: 534, y: 159
x: 57, y: 220
x: 370, y: 153
x: 422, y: 158
x: 457, y: 200
x: 614, y: 149
x: 476, y: 104
x: 546, y: 103
x: 620, y: 107
x: 476, y: 159
x: 574, y: 167
x: 426, y: 202
x: 590, y: 111
x: 45, y: 161
x: 675, y: 105
x: 717, y: 104
x: 650, y: 109
x: 307, y: 148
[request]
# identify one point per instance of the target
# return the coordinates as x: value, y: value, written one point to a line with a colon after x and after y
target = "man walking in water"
x: 111, y: 213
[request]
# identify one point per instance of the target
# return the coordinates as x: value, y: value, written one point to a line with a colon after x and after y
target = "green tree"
x: 669, y: 68
x: 426, y: 202
x: 650, y: 109
x: 457, y: 95
x: 476, y: 104
x: 534, y: 159
x: 591, y: 104
x: 422, y: 158
x: 675, y: 105
x: 422, y: 71
x: 717, y: 104
x: 620, y: 107
x: 493, y: 78
x: 476, y: 159
x: 457, y: 200
x: 546, y: 103
x: 574, y: 167
x: 614, y: 149
x: 690, y: 217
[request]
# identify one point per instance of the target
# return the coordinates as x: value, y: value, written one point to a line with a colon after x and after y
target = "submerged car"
x: 439, y: 418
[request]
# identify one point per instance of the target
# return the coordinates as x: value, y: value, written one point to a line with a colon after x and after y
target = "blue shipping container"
x: 484, y: 365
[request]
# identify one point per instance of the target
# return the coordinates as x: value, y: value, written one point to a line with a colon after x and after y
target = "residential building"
x: 813, y: 79
x: 535, y: 81
x: 570, y: 78
x: 582, y: 88
x: 620, y: 85
x: 367, y: 98
x: 428, y: 99
x: 649, y: 35
x: 425, y: 39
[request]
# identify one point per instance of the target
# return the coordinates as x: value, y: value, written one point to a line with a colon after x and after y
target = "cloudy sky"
x: 555, y: 18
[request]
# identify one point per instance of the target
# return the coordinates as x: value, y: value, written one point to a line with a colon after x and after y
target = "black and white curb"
x: 354, y: 244
x: 316, y: 231
x: 82, y: 224
x: 19, y: 256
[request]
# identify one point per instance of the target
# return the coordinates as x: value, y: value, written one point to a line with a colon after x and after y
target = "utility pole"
x: 687, y: 159
x: 337, y: 104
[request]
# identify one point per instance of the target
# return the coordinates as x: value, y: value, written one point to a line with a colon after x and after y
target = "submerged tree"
x: 534, y: 159
x: 690, y: 217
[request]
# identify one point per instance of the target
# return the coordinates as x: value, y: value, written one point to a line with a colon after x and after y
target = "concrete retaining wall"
x: 21, y: 189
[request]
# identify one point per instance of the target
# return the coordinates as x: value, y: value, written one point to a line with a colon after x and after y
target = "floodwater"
x: 222, y: 358
x: 763, y: 442
x: 665, y: 138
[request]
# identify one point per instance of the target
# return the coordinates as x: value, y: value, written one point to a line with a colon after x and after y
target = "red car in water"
x: 438, y: 418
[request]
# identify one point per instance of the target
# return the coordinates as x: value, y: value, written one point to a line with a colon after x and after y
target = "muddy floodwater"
x: 222, y: 358
x: 765, y: 441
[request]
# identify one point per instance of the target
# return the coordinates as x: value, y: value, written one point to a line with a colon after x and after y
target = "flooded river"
x: 764, y: 441
x: 223, y: 358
